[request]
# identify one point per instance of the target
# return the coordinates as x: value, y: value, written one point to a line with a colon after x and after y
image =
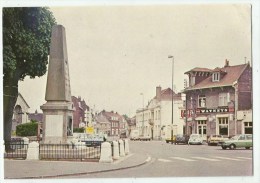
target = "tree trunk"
x: 10, y: 97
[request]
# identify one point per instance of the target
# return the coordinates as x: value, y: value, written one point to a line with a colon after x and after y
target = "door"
x: 249, y: 140
x: 202, y: 129
x: 241, y: 141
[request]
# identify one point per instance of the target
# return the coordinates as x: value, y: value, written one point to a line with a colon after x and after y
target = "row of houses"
x: 216, y: 101
x: 104, y: 122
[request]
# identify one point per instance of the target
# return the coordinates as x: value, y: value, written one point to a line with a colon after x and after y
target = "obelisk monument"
x: 58, y: 110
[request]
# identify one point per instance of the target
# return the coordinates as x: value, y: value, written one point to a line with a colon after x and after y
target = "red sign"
x: 183, y: 113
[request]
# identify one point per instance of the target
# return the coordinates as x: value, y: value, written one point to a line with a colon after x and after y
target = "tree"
x: 26, y: 43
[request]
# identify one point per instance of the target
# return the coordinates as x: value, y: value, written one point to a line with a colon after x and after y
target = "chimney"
x: 158, y: 92
x: 226, y: 63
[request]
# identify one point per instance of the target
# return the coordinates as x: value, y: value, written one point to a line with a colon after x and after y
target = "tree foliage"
x: 26, y: 40
x: 26, y: 43
x: 79, y: 130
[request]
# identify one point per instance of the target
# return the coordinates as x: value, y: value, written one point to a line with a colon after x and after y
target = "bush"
x: 27, y: 129
x: 78, y: 130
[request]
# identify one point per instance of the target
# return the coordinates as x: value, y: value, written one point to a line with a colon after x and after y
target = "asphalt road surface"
x: 169, y: 160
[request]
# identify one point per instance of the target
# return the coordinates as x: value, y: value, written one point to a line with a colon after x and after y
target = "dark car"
x: 181, y: 139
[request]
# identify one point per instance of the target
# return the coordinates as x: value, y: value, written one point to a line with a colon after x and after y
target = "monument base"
x: 57, y: 117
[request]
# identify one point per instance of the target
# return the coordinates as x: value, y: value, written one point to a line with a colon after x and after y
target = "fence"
x: 80, y: 152
x: 15, y: 149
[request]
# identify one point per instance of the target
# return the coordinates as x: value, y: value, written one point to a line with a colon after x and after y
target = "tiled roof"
x: 198, y: 69
x: 101, y: 119
x: 23, y: 99
x: 36, y: 116
x: 111, y: 114
x: 232, y: 74
x: 78, y: 103
x: 166, y: 94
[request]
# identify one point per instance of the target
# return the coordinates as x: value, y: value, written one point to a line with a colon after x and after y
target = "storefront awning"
x: 222, y: 115
x: 201, y: 118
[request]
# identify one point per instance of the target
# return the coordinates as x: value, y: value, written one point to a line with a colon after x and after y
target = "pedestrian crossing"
x: 198, y: 158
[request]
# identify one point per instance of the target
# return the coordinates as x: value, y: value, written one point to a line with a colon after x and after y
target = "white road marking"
x: 184, y: 159
x: 207, y: 159
x: 164, y: 160
x: 233, y: 159
x: 244, y: 158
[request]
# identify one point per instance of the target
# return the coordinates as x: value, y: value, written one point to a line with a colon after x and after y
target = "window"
x: 202, y: 127
x: 215, y: 76
x: 248, y: 127
x: 223, y: 99
x: 202, y: 101
x: 223, y: 126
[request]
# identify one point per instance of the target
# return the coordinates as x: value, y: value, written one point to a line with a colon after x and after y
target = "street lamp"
x: 170, y: 56
x: 143, y: 115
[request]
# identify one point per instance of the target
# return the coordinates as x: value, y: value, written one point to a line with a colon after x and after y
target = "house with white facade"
x: 20, y: 112
x: 155, y: 120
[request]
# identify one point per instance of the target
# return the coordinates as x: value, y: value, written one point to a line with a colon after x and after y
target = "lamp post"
x: 143, y: 115
x: 170, y: 56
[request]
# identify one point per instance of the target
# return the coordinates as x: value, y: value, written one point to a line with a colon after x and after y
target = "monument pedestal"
x: 57, y: 122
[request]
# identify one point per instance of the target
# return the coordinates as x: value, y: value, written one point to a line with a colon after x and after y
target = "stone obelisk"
x: 58, y: 110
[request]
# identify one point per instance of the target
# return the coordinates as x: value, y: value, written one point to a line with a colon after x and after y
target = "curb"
x: 148, y: 159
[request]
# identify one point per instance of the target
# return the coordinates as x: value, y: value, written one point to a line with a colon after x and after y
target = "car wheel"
x: 167, y: 141
x: 232, y: 146
x: 224, y: 147
x: 247, y: 147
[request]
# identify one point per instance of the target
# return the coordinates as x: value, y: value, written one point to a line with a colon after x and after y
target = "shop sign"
x: 218, y: 110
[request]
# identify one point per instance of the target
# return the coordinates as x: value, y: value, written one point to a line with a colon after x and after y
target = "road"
x: 169, y: 160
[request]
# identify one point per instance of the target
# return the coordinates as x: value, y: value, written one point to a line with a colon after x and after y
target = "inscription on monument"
x: 54, y: 125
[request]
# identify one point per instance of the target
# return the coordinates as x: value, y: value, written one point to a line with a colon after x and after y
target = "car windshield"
x: 194, y: 136
x: 235, y: 137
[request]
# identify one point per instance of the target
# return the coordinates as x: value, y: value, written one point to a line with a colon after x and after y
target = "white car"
x: 195, y: 139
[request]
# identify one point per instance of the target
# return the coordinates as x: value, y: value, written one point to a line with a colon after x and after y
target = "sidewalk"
x: 26, y: 169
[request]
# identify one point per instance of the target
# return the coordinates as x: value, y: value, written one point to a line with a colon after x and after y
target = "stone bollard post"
x: 126, y: 147
x: 106, y: 153
x: 122, y: 149
x: 33, y: 151
x: 116, y: 150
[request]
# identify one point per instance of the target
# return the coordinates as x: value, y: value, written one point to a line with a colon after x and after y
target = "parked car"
x: 195, y: 139
x: 181, y: 138
x: 216, y: 139
x: 239, y: 141
x: 171, y: 140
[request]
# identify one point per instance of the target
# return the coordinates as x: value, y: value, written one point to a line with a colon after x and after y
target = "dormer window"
x: 215, y: 76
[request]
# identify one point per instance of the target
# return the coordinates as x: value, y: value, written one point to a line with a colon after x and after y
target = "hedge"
x: 27, y: 129
x: 79, y: 130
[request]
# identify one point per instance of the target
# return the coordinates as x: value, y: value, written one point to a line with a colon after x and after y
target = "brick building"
x: 117, y: 123
x: 215, y: 97
x: 80, y: 108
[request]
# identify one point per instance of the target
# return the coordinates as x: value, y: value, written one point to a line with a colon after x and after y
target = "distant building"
x: 102, y: 124
x: 219, y: 101
x: 131, y: 122
x: 35, y: 116
x: 113, y: 120
x: 155, y: 120
x: 79, y: 115
x: 20, y: 112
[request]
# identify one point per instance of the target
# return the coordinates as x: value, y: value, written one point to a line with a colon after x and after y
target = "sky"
x: 117, y: 52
